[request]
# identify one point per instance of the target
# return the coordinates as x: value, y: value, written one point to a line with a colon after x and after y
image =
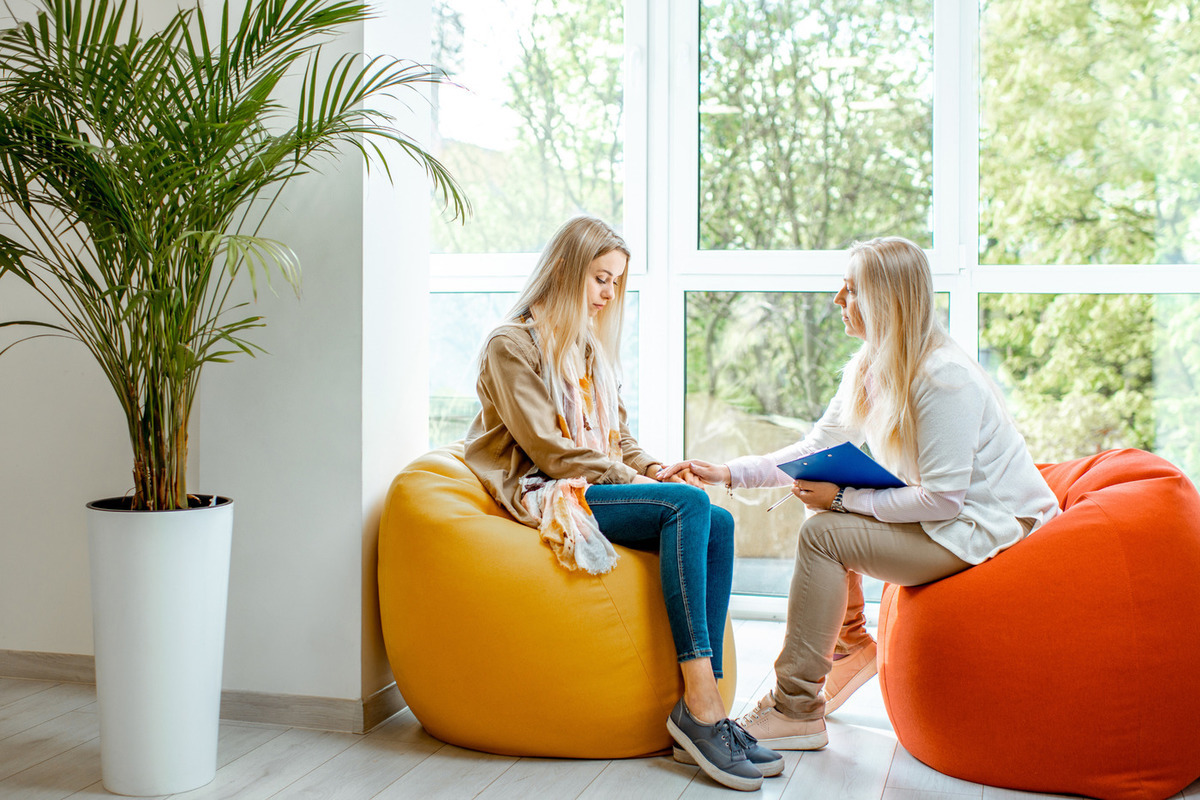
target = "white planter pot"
x: 160, y: 583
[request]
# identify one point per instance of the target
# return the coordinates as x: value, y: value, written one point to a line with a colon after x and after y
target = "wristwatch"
x: 836, y: 505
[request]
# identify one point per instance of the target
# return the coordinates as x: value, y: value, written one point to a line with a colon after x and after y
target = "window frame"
x: 661, y: 204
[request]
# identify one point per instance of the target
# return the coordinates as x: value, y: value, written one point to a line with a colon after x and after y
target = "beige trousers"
x: 825, y: 604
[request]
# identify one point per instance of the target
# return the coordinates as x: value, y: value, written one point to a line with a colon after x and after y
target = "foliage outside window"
x: 815, y: 126
x: 1089, y: 123
x: 1086, y: 373
x: 535, y: 133
x: 815, y: 122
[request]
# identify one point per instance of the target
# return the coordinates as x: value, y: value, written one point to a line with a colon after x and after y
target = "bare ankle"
x: 704, y: 709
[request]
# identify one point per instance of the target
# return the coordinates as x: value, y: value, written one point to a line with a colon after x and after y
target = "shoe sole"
x: 812, y: 741
x: 769, y: 770
x: 868, y: 671
x: 710, y: 769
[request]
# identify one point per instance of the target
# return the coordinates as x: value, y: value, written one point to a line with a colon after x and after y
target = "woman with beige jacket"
x: 552, y: 446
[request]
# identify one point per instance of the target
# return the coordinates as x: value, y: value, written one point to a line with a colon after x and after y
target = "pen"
x: 781, y: 501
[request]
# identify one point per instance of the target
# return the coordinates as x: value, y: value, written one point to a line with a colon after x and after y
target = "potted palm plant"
x: 136, y: 170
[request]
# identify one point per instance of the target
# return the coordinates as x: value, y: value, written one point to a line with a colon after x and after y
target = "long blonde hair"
x: 558, y: 290
x: 894, y: 291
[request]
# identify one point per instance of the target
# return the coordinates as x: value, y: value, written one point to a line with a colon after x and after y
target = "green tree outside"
x: 568, y: 158
x: 1087, y: 128
x: 815, y: 122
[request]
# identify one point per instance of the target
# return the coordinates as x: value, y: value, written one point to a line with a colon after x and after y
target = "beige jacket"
x: 517, y: 428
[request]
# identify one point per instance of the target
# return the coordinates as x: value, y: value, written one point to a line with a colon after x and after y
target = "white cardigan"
x: 978, y: 488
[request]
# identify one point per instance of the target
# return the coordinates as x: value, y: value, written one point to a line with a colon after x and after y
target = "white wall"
x: 396, y: 324
x: 63, y: 443
x: 305, y: 439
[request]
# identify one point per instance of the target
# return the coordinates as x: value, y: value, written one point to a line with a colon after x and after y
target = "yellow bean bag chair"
x: 496, y: 647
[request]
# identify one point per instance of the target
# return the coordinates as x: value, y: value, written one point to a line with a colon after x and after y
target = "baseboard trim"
x: 299, y: 711
x: 30, y: 665
x: 382, y: 706
x: 305, y: 711
x: 292, y: 710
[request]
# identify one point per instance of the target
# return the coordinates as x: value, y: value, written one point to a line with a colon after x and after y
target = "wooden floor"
x: 49, y: 749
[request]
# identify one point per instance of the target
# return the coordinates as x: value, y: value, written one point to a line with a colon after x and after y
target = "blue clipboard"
x: 844, y: 465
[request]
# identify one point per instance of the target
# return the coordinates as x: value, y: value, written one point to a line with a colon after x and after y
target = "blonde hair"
x: 894, y: 293
x: 558, y: 290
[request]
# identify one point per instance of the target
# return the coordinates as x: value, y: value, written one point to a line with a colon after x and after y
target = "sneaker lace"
x: 764, y: 705
x: 733, y: 736
x: 744, y: 737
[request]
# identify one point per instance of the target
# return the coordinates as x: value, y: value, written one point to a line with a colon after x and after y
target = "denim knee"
x: 685, y: 497
x: 721, y: 526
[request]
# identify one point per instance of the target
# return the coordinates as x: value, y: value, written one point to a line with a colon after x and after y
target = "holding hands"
x: 696, y: 473
x: 817, y: 495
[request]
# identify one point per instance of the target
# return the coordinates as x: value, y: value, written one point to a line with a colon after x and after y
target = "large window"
x: 1044, y: 154
x: 1089, y: 130
x: 536, y: 127
x: 815, y: 122
x: 534, y: 131
x: 1086, y: 372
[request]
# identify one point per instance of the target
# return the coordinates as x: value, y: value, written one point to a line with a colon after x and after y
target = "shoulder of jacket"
x: 513, y: 338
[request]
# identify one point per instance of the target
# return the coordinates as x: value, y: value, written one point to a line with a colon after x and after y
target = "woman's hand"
x: 662, y: 476
x: 658, y: 473
x: 697, y: 472
x: 643, y: 479
x: 817, y: 495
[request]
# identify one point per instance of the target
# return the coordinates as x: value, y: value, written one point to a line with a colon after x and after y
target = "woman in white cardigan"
x: 932, y: 416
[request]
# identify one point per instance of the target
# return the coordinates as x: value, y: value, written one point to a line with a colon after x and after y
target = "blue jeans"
x: 694, y: 540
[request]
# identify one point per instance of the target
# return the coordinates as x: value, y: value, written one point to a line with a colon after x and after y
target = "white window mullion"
x: 947, y: 139
x: 676, y: 199
x: 636, y: 111
x: 480, y: 283
x: 1089, y: 279
x: 962, y: 162
x: 683, y: 133
x: 657, y: 416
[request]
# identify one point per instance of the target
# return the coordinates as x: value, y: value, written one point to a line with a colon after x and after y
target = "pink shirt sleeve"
x: 906, y: 504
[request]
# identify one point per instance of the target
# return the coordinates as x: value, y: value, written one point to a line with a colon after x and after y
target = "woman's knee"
x: 720, y: 524
x: 685, y: 497
x: 816, y: 535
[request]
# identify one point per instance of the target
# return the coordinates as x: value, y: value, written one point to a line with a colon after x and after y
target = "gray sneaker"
x: 769, y: 762
x: 716, y: 749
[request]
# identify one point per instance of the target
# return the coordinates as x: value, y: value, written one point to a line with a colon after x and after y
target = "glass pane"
x: 460, y: 321
x: 535, y: 134
x: 1085, y: 373
x: 815, y: 122
x: 761, y: 368
x: 1089, y: 118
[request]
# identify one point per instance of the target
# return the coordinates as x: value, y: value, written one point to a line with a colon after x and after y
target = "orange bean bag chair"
x: 496, y: 647
x: 1069, y: 663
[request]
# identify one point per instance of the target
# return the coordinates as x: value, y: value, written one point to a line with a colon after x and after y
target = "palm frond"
x: 130, y: 162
